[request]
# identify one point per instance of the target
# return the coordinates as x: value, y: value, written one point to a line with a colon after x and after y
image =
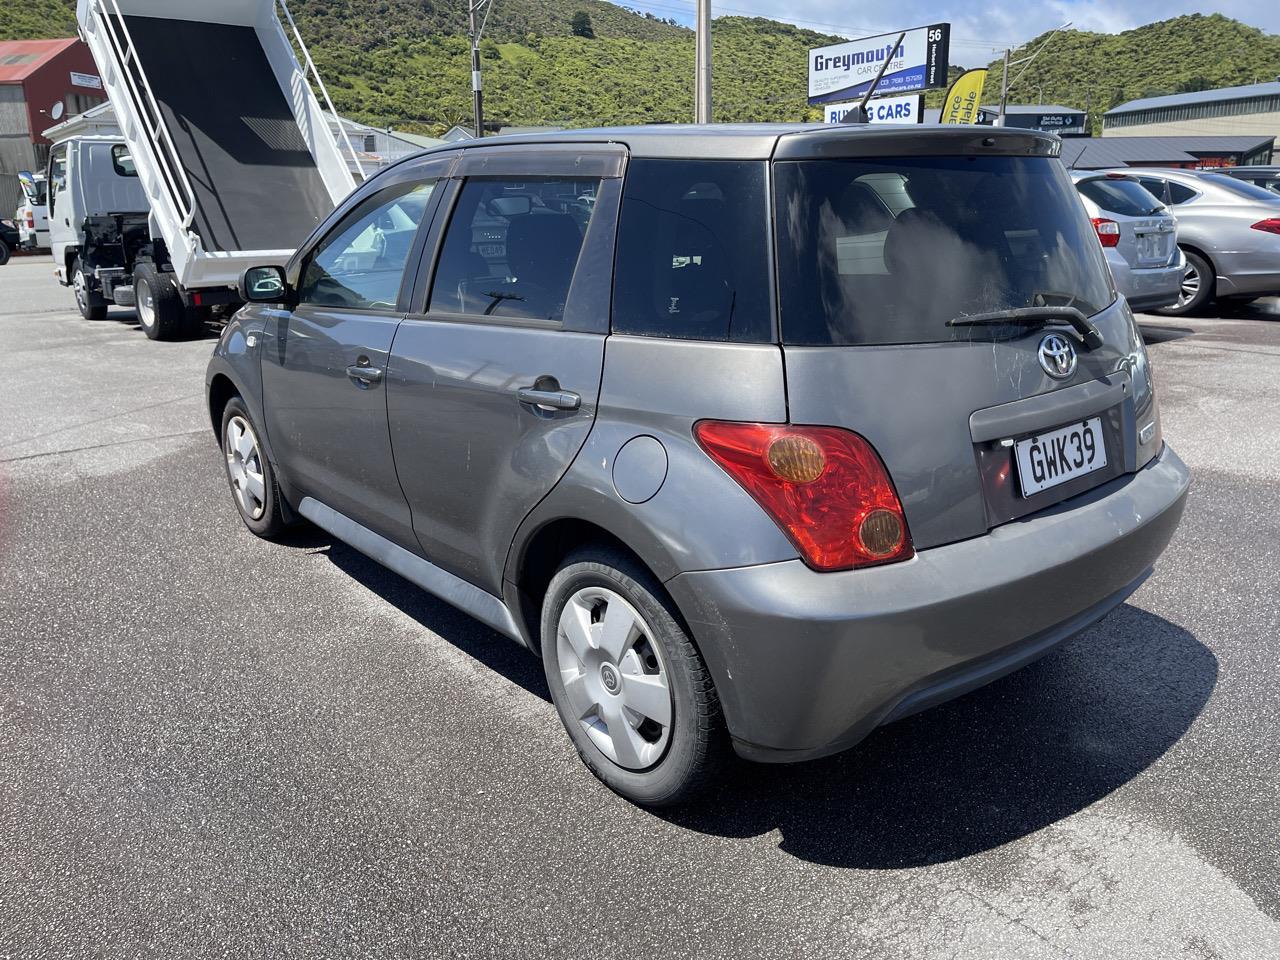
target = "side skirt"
x: 467, y: 597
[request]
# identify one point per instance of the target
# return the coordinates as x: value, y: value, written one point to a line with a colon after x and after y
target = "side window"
x: 57, y: 174
x: 361, y: 262
x: 1178, y: 193
x: 1155, y: 187
x: 512, y: 246
x: 122, y: 161
x: 693, y: 251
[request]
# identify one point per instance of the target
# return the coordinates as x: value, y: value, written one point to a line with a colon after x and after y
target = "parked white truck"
x: 33, y: 216
x: 224, y: 141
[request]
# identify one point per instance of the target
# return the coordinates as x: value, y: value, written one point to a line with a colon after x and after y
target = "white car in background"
x: 32, y: 218
x: 1138, y: 235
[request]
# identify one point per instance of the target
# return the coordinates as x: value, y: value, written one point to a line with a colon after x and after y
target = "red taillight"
x: 1108, y: 231
x: 31, y: 221
x: 825, y: 487
x: 1269, y: 225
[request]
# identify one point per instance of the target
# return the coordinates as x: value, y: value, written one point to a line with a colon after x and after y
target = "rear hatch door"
x: 880, y: 262
x: 1148, y: 237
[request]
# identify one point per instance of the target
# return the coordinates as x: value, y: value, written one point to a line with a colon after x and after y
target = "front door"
x: 324, y: 370
x: 493, y: 387
x: 62, y: 232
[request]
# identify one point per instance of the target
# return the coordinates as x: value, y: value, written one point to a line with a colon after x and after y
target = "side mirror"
x: 264, y: 285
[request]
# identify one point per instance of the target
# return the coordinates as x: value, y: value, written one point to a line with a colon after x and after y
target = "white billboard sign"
x: 844, y: 71
x: 908, y: 109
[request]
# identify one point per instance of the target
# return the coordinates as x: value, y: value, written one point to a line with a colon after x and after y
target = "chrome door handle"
x: 550, y: 399
x: 364, y: 374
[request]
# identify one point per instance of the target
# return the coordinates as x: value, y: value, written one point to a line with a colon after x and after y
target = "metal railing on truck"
x: 111, y: 22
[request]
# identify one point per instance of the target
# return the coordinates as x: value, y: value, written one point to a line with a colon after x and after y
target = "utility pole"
x: 1025, y: 62
x: 702, y: 67
x: 477, y: 95
x: 1004, y: 89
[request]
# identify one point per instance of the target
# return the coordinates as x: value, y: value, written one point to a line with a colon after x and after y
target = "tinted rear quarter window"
x: 693, y: 251
x: 1179, y: 193
x: 1241, y: 188
x: 1124, y: 197
x: 858, y: 265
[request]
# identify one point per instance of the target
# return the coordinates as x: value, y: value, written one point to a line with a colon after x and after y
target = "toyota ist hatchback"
x: 782, y: 433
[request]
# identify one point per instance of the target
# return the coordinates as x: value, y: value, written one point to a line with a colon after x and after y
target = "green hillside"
x: 405, y: 62
x: 1101, y: 70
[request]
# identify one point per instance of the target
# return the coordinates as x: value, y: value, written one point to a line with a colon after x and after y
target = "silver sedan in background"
x: 1229, y: 231
x: 1138, y: 236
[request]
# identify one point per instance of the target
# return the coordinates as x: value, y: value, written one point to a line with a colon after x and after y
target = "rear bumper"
x: 807, y: 663
x: 1147, y: 289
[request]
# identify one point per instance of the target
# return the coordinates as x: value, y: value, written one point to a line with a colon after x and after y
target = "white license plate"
x: 1060, y: 455
x: 1150, y: 246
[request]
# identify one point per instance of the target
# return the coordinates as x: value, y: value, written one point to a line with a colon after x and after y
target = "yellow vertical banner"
x: 963, y: 97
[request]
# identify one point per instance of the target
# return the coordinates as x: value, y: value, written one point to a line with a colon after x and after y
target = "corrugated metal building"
x: 41, y: 82
x: 1251, y: 110
x: 1185, y: 152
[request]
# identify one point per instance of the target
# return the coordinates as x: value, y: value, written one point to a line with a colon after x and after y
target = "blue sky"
x: 979, y: 30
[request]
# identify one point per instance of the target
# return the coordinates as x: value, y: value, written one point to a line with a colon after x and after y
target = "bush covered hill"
x: 1100, y: 71
x: 405, y: 62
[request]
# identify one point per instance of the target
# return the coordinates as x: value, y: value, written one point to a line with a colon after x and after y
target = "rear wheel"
x: 630, y: 687
x: 161, y: 312
x: 1198, y: 281
x: 249, y: 473
x: 4, y: 253
x: 93, y: 306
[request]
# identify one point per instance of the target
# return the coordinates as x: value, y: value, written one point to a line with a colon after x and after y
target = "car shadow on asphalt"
x: 988, y: 768
x: 1160, y: 333
x: 964, y: 777
x: 481, y: 643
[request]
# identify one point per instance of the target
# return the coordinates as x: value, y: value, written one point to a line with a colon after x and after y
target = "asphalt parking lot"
x: 212, y: 746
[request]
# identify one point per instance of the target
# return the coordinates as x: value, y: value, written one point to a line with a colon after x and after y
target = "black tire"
x: 92, y: 304
x: 195, y: 321
x: 161, y: 312
x: 1201, y: 276
x: 4, y: 253
x: 270, y: 522
x: 696, y: 744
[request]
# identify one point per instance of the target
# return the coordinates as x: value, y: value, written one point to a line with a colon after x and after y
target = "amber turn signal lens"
x: 797, y: 459
x: 880, y: 533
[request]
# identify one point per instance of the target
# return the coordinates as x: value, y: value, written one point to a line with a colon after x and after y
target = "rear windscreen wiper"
x: 1035, y: 315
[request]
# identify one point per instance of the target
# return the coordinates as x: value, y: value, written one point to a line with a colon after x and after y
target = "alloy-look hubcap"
x: 615, y: 679
x: 244, y: 467
x: 82, y: 294
x: 1190, y: 286
x: 146, y: 305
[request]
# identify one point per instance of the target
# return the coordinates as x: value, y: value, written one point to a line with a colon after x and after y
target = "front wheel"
x: 92, y: 305
x: 253, y: 482
x: 4, y: 253
x: 1198, y: 282
x: 631, y: 689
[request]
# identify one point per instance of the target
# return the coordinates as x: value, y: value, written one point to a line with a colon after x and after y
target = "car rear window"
x: 1127, y: 198
x: 886, y: 251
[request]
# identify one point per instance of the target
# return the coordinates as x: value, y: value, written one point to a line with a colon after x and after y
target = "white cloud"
x: 978, y: 30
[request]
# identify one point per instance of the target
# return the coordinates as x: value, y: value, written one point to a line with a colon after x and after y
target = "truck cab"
x: 97, y: 221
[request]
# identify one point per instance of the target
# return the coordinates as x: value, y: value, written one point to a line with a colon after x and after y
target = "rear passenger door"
x: 495, y: 373
x: 325, y: 361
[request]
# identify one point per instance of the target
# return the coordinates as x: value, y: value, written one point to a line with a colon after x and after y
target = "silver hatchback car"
x: 791, y: 432
x: 1138, y: 237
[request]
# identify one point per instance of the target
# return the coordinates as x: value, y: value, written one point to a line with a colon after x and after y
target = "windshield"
x: 1127, y: 198
x: 887, y: 251
x: 1250, y: 190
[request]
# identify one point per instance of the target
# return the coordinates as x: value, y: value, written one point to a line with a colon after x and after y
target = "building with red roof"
x: 41, y: 82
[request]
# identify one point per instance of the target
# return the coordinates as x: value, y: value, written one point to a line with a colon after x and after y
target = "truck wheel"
x: 195, y: 321
x: 92, y: 304
x: 161, y: 312
x: 630, y: 687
